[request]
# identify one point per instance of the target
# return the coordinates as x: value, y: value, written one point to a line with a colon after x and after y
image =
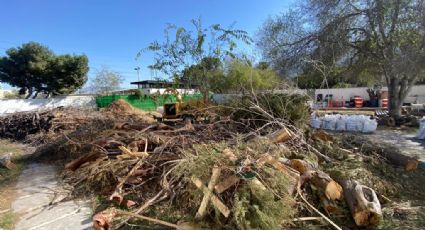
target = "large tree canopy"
x: 209, y: 71
x: 382, y: 37
x: 233, y: 76
x: 241, y: 76
x: 34, y: 68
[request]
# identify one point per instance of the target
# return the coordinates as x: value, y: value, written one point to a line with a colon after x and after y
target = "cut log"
x: 230, y: 155
x: 363, y: 203
x: 300, y: 165
x: 399, y: 159
x: 75, y: 164
x: 322, y: 135
x: 280, y: 136
x: 330, y: 188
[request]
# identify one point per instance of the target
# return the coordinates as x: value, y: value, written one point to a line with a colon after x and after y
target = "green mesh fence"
x: 145, y: 102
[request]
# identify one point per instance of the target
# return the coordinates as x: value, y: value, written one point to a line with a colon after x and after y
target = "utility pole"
x: 137, y: 69
x: 138, y: 76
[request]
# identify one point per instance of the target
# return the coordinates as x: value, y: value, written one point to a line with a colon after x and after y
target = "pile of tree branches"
x: 19, y: 125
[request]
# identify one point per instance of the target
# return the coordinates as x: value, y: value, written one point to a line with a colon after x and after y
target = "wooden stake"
x: 226, y: 184
x: 213, y: 181
x: 214, y: 199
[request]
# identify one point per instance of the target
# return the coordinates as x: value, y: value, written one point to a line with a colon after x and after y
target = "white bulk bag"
x: 369, y: 126
x: 341, y: 123
x: 329, y: 122
x: 421, y: 132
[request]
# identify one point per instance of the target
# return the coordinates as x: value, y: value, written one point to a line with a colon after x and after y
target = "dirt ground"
x: 405, y: 209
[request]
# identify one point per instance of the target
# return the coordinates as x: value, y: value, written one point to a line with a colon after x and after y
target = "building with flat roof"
x: 158, y: 86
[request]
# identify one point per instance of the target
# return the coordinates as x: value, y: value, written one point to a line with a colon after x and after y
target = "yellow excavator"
x: 179, y: 109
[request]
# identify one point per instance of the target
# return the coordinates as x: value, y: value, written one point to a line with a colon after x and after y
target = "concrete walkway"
x: 37, y: 203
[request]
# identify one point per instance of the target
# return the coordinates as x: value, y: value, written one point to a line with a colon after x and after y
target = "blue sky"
x: 111, y: 33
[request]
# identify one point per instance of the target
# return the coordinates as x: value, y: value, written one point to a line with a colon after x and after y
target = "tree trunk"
x: 399, y: 159
x: 35, y: 95
x: 398, y: 88
x: 30, y: 91
x: 75, y: 164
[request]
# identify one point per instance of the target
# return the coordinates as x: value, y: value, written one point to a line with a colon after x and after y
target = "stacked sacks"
x: 351, y: 123
x: 421, y: 132
x: 315, y: 121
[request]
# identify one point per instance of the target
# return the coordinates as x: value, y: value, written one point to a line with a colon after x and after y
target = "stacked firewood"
x: 19, y: 125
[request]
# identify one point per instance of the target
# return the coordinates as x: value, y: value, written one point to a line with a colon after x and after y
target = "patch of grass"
x: 8, y: 178
x: 9, y: 147
x: 6, y: 221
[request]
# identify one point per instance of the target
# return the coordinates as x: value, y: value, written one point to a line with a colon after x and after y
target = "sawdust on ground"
x: 122, y: 107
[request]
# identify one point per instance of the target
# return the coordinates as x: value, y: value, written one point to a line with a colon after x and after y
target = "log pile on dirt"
x: 257, y: 170
x: 19, y: 125
x: 40, y: 126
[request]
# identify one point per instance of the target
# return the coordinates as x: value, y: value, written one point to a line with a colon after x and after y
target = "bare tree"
x: 106, y: 80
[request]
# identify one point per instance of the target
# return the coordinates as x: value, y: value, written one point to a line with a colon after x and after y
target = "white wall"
x: 22, y: 105
x: 223, y: 98
x: 416, y: 95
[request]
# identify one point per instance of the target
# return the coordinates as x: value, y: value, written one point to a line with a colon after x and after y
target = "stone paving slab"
x: 38, y: 193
